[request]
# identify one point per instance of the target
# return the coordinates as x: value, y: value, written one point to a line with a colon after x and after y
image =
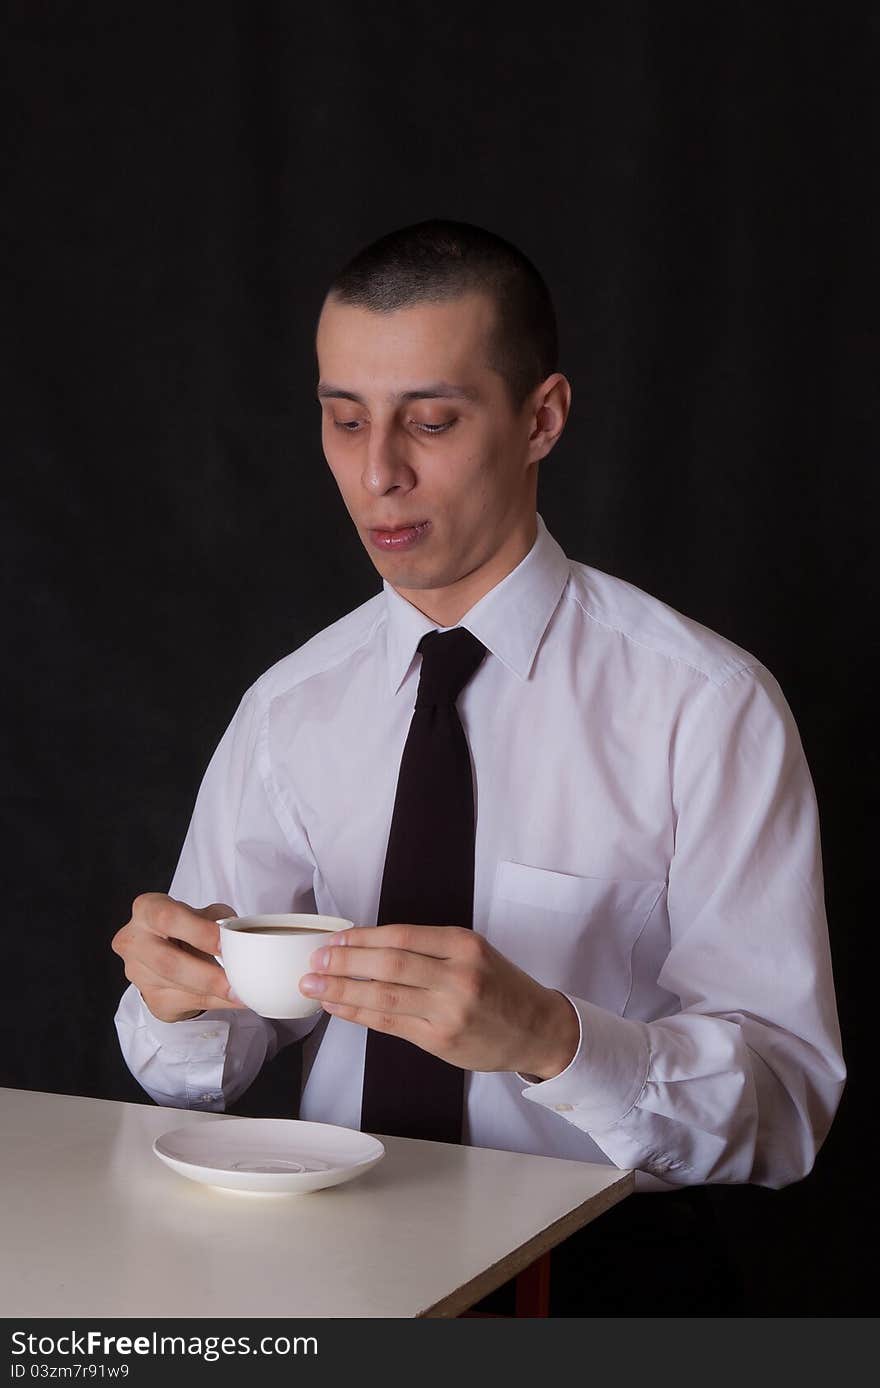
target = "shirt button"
x: 207, y: 1098
x: 563, y: 1108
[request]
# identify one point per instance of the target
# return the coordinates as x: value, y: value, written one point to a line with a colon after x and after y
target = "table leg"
x: 531, y: 1293
x: 533, y: 1288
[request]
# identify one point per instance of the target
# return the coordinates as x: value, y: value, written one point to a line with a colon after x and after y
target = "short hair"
x: 437, y: 260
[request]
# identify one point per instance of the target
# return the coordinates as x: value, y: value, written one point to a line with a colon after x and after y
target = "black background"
x: 697, y: 185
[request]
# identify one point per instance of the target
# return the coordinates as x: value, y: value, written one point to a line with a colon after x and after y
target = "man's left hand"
x: 450, y: 992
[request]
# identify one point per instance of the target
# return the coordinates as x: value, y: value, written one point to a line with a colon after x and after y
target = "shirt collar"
x: 510, y: 619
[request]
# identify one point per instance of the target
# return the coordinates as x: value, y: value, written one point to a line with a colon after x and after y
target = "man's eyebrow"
x: 439, y: 390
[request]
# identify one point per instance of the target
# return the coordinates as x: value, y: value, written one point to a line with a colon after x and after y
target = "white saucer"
x: 268, y: 1154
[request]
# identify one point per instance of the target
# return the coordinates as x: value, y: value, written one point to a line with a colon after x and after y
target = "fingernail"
x: 320, y: 959
x: 312, y: 984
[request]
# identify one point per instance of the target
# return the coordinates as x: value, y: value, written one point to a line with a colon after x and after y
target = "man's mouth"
x: 398, y: 536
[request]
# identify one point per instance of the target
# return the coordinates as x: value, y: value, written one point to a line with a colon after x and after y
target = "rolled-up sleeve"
x: 742, y: 1084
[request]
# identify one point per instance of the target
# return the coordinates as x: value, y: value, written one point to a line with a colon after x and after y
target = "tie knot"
x: 449, y: 659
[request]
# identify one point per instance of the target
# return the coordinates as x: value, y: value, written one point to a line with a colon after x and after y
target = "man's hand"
x: 447, y: 990
x: 168, y: 950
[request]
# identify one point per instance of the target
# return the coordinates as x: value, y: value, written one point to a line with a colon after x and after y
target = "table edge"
x: 488, y: 1281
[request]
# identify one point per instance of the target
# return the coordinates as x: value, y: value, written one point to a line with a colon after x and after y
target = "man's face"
x: 418, y: 430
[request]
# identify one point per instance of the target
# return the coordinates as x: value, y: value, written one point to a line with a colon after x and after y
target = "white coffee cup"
x: 266, y: 956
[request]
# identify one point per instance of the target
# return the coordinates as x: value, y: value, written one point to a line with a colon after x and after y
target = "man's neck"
x: 447, y: 606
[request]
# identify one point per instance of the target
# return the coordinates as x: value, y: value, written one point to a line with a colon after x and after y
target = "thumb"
x: 218, y: 911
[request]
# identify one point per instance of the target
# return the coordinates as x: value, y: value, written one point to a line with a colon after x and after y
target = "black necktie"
x: 428, y: 880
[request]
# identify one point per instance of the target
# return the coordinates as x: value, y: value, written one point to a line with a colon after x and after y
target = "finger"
x: 181, y: 1000
x: 191, y: 949
x: 175, y: 964
x: 383, y: 965
x: 170, y: 919
x: 177, y: 999
x: 171, y: 1002
x: 391, y: 999
x: 167, y: 1005
x: 414, y: 1029
x: 435, y: 941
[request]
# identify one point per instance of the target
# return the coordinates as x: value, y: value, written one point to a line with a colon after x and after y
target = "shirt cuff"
x: 200, y: 1037
x: 606, y: 1075
x: 198, y: 1046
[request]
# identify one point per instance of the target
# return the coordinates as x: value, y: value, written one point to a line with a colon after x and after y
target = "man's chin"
x: 403, y: 576
x: 403, y: 570
x: 407, y: 576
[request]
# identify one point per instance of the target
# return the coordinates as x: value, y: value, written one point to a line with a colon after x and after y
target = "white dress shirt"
x: 647, y: 842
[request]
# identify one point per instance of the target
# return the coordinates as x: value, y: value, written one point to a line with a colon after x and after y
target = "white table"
x: 95, y: 1225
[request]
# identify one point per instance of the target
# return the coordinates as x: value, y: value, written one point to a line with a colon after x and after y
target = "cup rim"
x: 300, y: 920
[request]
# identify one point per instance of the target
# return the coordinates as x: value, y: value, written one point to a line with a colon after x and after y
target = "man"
x: 644, y: 978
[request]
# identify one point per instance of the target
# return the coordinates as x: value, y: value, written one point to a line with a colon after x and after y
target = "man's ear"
x: 551, y: 403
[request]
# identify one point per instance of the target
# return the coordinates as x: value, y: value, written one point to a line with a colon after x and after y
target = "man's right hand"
x: 168, y: 949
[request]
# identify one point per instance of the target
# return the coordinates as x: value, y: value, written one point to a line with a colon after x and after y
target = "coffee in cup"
x: 266, y: 956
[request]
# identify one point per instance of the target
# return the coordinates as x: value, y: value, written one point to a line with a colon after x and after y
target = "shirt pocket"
x: 576, y: 934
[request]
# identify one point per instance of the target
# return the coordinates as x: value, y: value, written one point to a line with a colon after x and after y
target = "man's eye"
x: 434, y: 428
x: 350, y: 425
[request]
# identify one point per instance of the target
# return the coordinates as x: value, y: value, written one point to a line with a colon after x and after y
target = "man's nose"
x: 386, y: 465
